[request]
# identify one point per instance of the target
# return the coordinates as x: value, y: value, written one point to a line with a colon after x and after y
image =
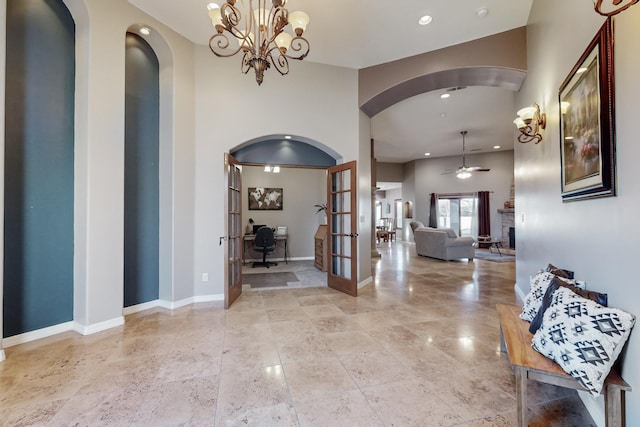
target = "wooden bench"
x: 529, y: 364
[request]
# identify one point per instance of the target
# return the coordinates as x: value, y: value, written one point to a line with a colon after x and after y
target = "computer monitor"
x: 257, y: 227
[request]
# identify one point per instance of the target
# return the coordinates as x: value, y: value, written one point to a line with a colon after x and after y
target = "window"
x: 457, y: 212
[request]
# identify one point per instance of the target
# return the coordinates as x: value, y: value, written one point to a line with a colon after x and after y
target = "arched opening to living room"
x: 419, y: 106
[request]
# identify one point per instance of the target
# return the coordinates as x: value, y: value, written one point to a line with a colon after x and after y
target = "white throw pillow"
x: 532, y: 302
x: 583, y: 337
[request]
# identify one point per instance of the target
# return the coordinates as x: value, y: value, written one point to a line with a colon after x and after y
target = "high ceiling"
x: 363, y: 33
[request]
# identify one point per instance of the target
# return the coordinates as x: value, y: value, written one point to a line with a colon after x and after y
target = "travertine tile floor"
x: 419, y: 347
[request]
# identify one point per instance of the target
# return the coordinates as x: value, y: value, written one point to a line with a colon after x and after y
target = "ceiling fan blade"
x: 477, y: 169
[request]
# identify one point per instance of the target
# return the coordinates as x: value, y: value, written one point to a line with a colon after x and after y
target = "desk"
x: 248, y: 239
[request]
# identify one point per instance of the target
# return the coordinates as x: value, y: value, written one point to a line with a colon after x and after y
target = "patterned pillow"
x: 533, y: 301
x: 583, y: 337
x: 557, y: 282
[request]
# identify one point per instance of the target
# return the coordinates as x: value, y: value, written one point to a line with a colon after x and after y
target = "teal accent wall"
x: 39, y: 144
x: 141, y: 176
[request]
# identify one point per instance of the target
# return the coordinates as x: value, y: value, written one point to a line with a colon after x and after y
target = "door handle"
x: 223, y: 238
x: 353, y: 235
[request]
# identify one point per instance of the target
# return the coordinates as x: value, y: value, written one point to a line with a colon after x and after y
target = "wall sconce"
x: 274, y: 169
x: 529, y: 122
x: 613, y: 6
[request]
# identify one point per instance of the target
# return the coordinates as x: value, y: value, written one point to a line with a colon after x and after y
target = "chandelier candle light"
x: 259, y: 33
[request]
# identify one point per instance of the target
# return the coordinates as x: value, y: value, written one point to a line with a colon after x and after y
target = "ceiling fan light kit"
x: 529, y: 122
x: 464, y: 171
x: 259, y: 33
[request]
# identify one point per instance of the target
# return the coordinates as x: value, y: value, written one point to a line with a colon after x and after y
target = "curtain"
x: 433, y: 216
x: 484, y: 215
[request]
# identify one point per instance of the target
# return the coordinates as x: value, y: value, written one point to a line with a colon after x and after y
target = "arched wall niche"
x: 166, y: 141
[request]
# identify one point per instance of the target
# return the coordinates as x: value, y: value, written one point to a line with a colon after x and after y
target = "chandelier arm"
x: 245, y: 64
x: 232, y: 18
x: 279, y: 60
x: 300, y: 47
x: 221, y: 41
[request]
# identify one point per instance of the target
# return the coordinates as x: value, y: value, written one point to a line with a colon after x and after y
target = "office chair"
x: 265, y: 242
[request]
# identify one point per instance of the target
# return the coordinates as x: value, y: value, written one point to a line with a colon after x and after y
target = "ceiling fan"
x: 465, y: 171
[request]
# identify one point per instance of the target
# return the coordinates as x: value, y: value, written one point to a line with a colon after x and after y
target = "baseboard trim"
x: 169, y: 305
x: 102, y: 326
x: 2, y: 356
x: 140, y: 307
x: 208, y: 298
x: 37, y: 334
x: 365, y: 282
x: 98, y: 327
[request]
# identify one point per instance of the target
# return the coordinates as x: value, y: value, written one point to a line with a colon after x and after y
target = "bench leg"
x: 521, y: 395
x: 614, y: 407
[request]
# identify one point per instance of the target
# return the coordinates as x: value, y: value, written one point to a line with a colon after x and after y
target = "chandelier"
x: 259, y: 33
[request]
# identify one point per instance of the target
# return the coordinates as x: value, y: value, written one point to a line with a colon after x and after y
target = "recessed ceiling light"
x: 496, y: 147
x: 145, y: 31
x: 427, y: 154
x: 425, y: 20
x: 482, y: 12
x: 445, y: 95
x: 212, y: 6
x: 287, y: 137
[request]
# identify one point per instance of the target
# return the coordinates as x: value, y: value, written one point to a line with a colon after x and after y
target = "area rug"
x: 268, y: 280
x: 493, y: 256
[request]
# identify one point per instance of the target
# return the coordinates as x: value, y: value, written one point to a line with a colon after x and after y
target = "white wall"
x: 428, y: 178
x: 301, y: 188
x: 314, y: 101
x: 595, y: 238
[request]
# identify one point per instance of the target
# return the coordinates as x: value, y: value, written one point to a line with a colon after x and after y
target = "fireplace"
x: 508, y: 235
x: 512, y: 237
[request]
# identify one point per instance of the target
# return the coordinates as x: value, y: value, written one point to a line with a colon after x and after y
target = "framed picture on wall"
x: 587, y: 121
x: 265, y: 199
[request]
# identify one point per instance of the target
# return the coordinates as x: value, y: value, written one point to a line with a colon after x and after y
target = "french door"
x: 342, y: 220
x: 233, y: 230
